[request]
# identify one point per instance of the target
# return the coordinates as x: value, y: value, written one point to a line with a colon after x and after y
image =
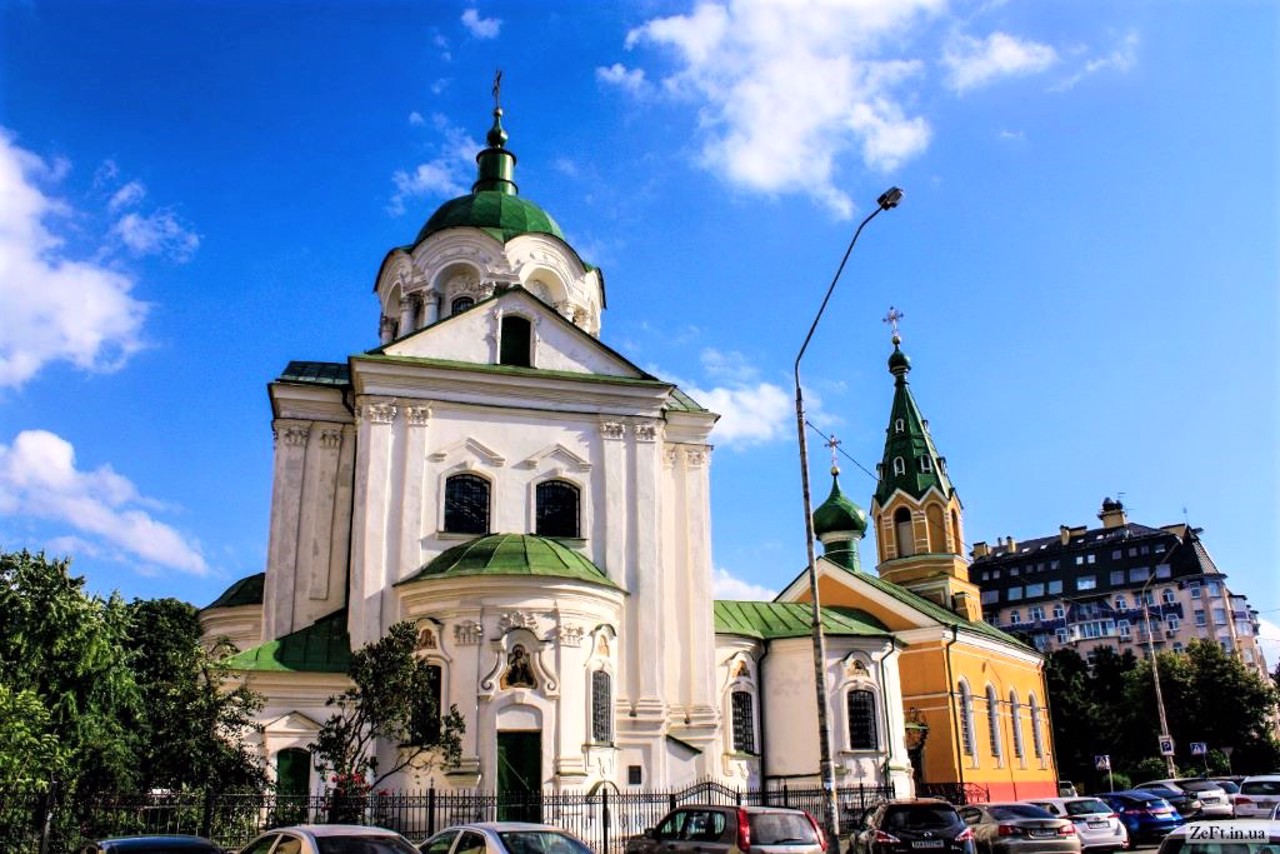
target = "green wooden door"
x: 520, y: 775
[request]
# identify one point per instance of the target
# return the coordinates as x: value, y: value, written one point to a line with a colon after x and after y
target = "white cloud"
x: 977, y: 62
x: 1121, y: 59
x: 618, y: 75
x: 54, y: 308
x: 158, y: 233
x: 39, y: 478
x: 481, y: 28
x: 127, y: 196
x: 1269, y: 640
x: 445, y: 176
x: 726, y: 586
x: 788, y: 89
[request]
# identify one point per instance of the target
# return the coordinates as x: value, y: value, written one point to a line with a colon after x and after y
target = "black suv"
x: 922, y: 827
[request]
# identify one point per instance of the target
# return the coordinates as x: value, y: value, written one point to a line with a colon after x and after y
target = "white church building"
x: 540, y: 508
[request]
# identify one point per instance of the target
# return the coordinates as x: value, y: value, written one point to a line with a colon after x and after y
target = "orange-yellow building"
x: 973, y: 696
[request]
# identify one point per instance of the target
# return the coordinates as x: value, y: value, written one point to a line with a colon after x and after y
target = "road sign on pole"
x: 1166, y: 745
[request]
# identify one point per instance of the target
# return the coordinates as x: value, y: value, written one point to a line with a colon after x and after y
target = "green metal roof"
x: 322, y: 647
x: 769, y: 620
x: 913, y: 443
x: 838, y: 514
x: 501, y: 215
x: 246, y: 591
x: 512, y: 554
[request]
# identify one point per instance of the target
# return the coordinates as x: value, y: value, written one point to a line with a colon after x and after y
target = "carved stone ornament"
x: 295, y: 435
x: 330, y: 439
x: 613, y: 429
x: 518, y: 620
x: 417, y: 416
x: 569, y: 635
x: 380, y: 413
x: 647, y: 432
x: 468, y: 633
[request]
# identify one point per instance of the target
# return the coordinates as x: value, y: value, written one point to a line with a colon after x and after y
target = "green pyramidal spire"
x: 911, y: 462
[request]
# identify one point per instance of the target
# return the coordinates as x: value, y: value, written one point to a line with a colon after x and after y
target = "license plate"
x: 929, y: 843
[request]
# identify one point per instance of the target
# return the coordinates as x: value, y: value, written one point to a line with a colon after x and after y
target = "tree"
x: 392, y: 701
x: 65, y: 674
x: 194, y: 723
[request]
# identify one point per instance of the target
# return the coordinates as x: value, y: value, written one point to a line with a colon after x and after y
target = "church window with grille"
x: 557, y: 511
x: 744, y: 725
x: 466, y: 504
x: 861, y: 705
x: 461, y: 304
x: 517, y: 336
x: 601, y: 707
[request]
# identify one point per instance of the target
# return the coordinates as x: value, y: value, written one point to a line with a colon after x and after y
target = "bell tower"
x: 916, y: 511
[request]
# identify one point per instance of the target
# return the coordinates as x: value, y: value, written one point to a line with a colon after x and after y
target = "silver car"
x: 1099, y: 827
x: 329, y: 839
x: 503, y: 837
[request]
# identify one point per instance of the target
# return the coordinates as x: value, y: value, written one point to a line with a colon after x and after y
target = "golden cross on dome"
x: 497, y: 88
x: 892, y: 319
x: 833, y: 443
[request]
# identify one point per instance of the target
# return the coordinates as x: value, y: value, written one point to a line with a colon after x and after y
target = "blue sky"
x: 193, y: 194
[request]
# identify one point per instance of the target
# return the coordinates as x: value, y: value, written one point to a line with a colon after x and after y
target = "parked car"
x: 1020, y: 829
x: 151, y: 845
x: 329, y: 839
x: 1145, y: 816
x: 1224, y: 837
x: 731, y: 830
x: 504, y: 837
x: 1100, y: 829
x: 926, y: 824
x: 1259, y: 796
x: 1186, y: 803
x: 1214, y: 802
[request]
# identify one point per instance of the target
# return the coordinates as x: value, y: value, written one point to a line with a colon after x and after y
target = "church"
x: 539, y: 507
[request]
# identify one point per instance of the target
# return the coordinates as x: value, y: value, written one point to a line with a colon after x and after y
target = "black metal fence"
x: 604, y: 817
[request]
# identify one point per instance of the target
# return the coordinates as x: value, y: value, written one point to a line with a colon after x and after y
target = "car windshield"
x: 541, y: 842
x: 1088, y: 806
x: 363, y: 845
x: 774, y: 828
x: 1015, y: 811
x: 1199, y: 785
x: 1260, y: 787
x: 920, y: 817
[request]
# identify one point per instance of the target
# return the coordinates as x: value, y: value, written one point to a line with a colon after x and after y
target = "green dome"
x: 512, y: 554
x: 503, y: 215
x: 839, y: 515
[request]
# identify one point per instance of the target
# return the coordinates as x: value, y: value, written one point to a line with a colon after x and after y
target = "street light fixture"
x: 1155, y: 675
x: 831, y: 820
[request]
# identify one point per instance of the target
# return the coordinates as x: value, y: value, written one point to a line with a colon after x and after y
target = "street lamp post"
x: 831, y: 819
x: 1155, y: 675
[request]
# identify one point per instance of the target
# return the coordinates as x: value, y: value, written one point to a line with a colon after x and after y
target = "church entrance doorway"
x: 520, y: 775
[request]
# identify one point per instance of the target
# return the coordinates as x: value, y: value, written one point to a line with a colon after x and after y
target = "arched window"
x: 424, y: 725
x: 1037, y: 739
x: 1015, y: 718
x: 899, y: 465
x: 601, y: 707
x: 993, y: 722
x: 557, y: 509
x: 861, y: 705
x: 466, y: 504
x: 966, y: 719
x: 461, y: 304
x: 904, y: 533
x: 517, y: 334
x: 744, y: 724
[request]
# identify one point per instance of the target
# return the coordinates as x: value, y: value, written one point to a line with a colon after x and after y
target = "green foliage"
x: 195, y: 726
x: 390, y: 701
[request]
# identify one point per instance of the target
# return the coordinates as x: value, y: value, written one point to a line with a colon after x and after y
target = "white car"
x: 1223, y: 837
x: 503, y: 837
x: 329, y: 839
x: 1259, y: 796
x: 1099, y: 828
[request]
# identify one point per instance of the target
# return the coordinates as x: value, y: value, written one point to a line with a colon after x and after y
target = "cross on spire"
x: 892, y: 319
x: 833, y: 443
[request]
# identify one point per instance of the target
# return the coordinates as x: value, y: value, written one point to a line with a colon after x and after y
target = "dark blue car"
x: 1145, y: 816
